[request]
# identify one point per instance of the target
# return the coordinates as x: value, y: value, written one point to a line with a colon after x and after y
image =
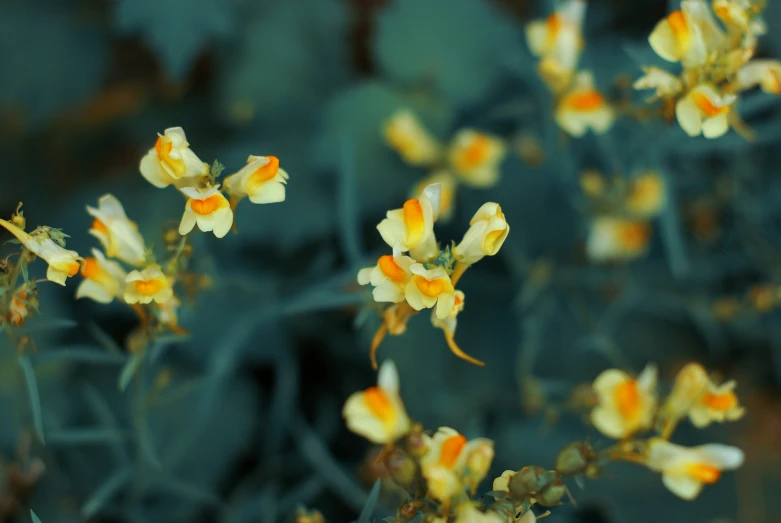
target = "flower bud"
x: 574, y: 458
x: 551, y: 494
x: 529, y: 480
x: 487, y: 232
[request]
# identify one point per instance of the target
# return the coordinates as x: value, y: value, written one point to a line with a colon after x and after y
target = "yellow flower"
x: 410, y: 139
x: 502, y: 483
x: 487, y: 232
x: 558, y: 39
x: 583, y: 108
x: 480, y: 455
x: 734, y: 13
x: 118, y: 235
x: 447, y: 186
x: 446, y: 460
x: 686, y: 470
x: 389, y: 277
x: 148, y: 285
x: 261, y: 179
x: 62, y: 262
x: 475, y: 157
x: 171, y: 160
x: 764, y: 73
x: 688, y: 35
x: 19, y: 309
x: 647, y: 195
x: 626, y: 405
x: 467, y: 513
x: 665, y: 84
x: 411, y: 228
x: 427, y: 288
x: 378, y: 413
x: 695, y: 395
x: 104, y: 279
x: 611, y: 238
x: 704, y: 111
x: 209, y: 209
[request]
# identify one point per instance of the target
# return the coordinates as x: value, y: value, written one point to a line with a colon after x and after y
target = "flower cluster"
x: 419, y: 275
x: 558, y: 41
x: 715, y: 46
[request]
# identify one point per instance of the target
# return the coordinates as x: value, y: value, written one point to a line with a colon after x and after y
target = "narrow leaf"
x: 371, y: 504
x: 130, y: 369
x: 32, y: 391
x: 34, y: 517
x: 101, y: 496
x: 78, y: 354
x: 89, y: 436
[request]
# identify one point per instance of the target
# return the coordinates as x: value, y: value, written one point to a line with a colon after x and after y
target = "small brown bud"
x: 574, y: 458
x: 594, y: 470
x: 529, y: 480
x: 551, y: 494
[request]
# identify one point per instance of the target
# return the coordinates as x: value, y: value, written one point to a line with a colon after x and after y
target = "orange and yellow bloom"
x: 429, y: 287
x: 407, y: 135
x: 487, y: 232
x: 617, y: 239
x: 117, y: 234
x: 261, y: 180
x: 171, y: 161
x: 626, y: 404
x: 148, y: 285
x: 697, y: 396
x: 583, y: 107
x: 389, y: 277
x: 103, y: 280
x: 209, y: 209
x: 704, y: 111
x: 411, y: 228
x: 475, y: 157
x: 63, y: 263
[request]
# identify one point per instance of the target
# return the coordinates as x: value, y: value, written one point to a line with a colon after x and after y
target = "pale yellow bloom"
x: 475, y: 157
x: 427, y: 288
x: 467, y: 513
x: 686, y: 470
x: 487, y: 232
x: 704, y: 111
x: 209, y: 209
x: 647, y: 195
x: 764, y: 73
x: 389, y: 277
x: 583, y: 108
x: 665, y: 84
x: 502, y: 483
x: 411, y: 228
x: 480, y: 455
x: 171, y: 161
x: 104, y: 279
x: 262, y: 180
x: 734, y: 13
x: 404, y: 133
x: 558, y: 39
x: 168, y: 312
x: 626, y: 404
x: 447, y: 188
x: 378, y: 413
x: 148, y: 285
x: 62, y: 262
x: 118, y: 234
x: 446, y: 461
x: 695, y: 395
x: 450, y: 322
x: 688, y: 35
x: 617, y: 239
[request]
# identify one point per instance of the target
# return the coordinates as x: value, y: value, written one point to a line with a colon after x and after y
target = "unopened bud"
x: 402, y: 469
x: 551, y: 494
x: 529, y: 480
x: 574, y: 458
x: 594, y: 470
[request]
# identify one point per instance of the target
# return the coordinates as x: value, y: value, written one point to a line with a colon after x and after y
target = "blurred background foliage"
x: 241, y: 422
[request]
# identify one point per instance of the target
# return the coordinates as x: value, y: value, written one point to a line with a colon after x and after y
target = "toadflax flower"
x: 378, y: 413
x: 148, y: 285
x: 209, y: 209
x: 62, y: 262
x: 704, y: 111
x: 686, y: 470
x: 626, y: 405
x: 687, y: 36
x: 19, y: 307
x: 118, y: 235
x: 103, y: 281
x: 429, y: 287
x: 583, y: 108
x: 475, y: 157
x: 488, y: 229
x: 446, y: 462
x: 262, y: 180
x: 411, y: 228
x: 647, y: 195
x: 467, y: 513
x: 617, y: 239
x: 404, y: 133
x: 665, y: 84
x: 764, y: 73
x: 389, y: 277
x: 695, y: 395
x: 171, y: 161
x: 558, y: 40
x: 447, y: 190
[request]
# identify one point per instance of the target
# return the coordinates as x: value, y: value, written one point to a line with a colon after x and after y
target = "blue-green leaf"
x: 130, y: 369
x: 34, y: 517
x: 103, y: 495
x: 371, y: 503
x: 32, y: 391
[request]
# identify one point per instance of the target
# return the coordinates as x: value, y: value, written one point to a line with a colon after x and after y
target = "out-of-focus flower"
x: 686, y: 470
x: 695, y: 395
x: 612, y: 238
x: 429, y: 287
x: 148, y: 285
x: 480, y: 455
x: 704, y: 111
x: 583, y: 108
x: 688, y: 35
x: 389, y: 277
x: 626, y: 404
x: 209, y: 209
x: 404, y: 133
x: 19, y: 308
x: 262, y: 180
x: 171, y: 161
x: 467, y: 513
x: 118, y: 235
x: 647, y: 195
x: 62, y: 262
x: 734, y: 13
x: 764, y: 73
x: 378, y: 413
x: 476, y: 156
x: 487, y: 232
x: 665, y: 84
x: 447, y: 189
x: 558, y: 39
x: 411, y: 228
x: 592, y: 183
x: 103, y: 281
x: 502, y: 483
x: 445, y: 461
x: 168, y: 313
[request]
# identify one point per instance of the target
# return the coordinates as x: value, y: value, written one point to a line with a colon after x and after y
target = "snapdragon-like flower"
x: 445, y: 463
x: 103, y: 281
x: 685, y: 471
x: 389, y: 277
x: 695, y: 395
x: 447, y: 192
x: 582, y: 108
x: 488, y: 229
x: 411, y: 228
x: 429, y: 287
x: 209, y: 209
x: 378, y: 413
x: 63, y: 263
x: 617, y: 239
x: 118, y: 234
x: 171, y: 161
x: 18, y: 309
x: 262, y: 180
x: 407, y: 135
x: 647, y: 195
x: 626, y: 404
x: 476, y: 156
x: 734, y: 13
x: 558, y: 41
x: 688, y: 35
x: 764, y: 73
x: 704, y: 111
x: 665, y: 84
x: 148, y: 285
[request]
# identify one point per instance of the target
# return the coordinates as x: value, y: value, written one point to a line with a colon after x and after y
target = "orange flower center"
x: 706, y: 106
x: 415, y: 222
x: 209, y: 205
x: 475, y: 154
x: 263, y: 174
x: 451, y: 449
x: 553, y: 24
x: 163, y: 147
x: 100, y: 226
x: 585, y: 101
x: 707, y: 474
x: 150, y: 287
x: 391, y: 269
x: 634, y: 236
x: 379, y: 404
x: 725, y: 401
x: 91, y: 269
x: 680, y: 30
x: 627, y: 398
x: 431, y: 288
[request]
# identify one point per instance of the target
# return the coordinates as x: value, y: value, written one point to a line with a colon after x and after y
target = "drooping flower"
x: 447, y: 189
x: 429, y: 287
x: 647, y: 195
x: 734, y: 13
x: 378, y: 413
x: 209, y: 209
x: 583, y: 108
x: 404, y: 133
x: 475, y: 157
x: 389, y: 277
x: 171, y: 161
x: 104, y: 279
x: 685, y: 471
x: 262, y: 180
x: 704, y: 111
x: 558, y: 40
x: 626, y: 404
x: 688, y: 35
x: 19, y: 308
x: 617, y: 239
x: 62, y: 262
x: 411, y: 228
x: 665, y: 84
x: 118, y: 234
x: 148, y: 285
x: 764, y: 73
x: 502, y: 483
x: 444, y: 464
x: 488, y: 229
x: 695, y: 395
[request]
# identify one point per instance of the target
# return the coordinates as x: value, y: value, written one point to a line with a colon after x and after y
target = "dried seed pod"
x: 551, y: 494
x: 574, y: 458
x: 529, y: 480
